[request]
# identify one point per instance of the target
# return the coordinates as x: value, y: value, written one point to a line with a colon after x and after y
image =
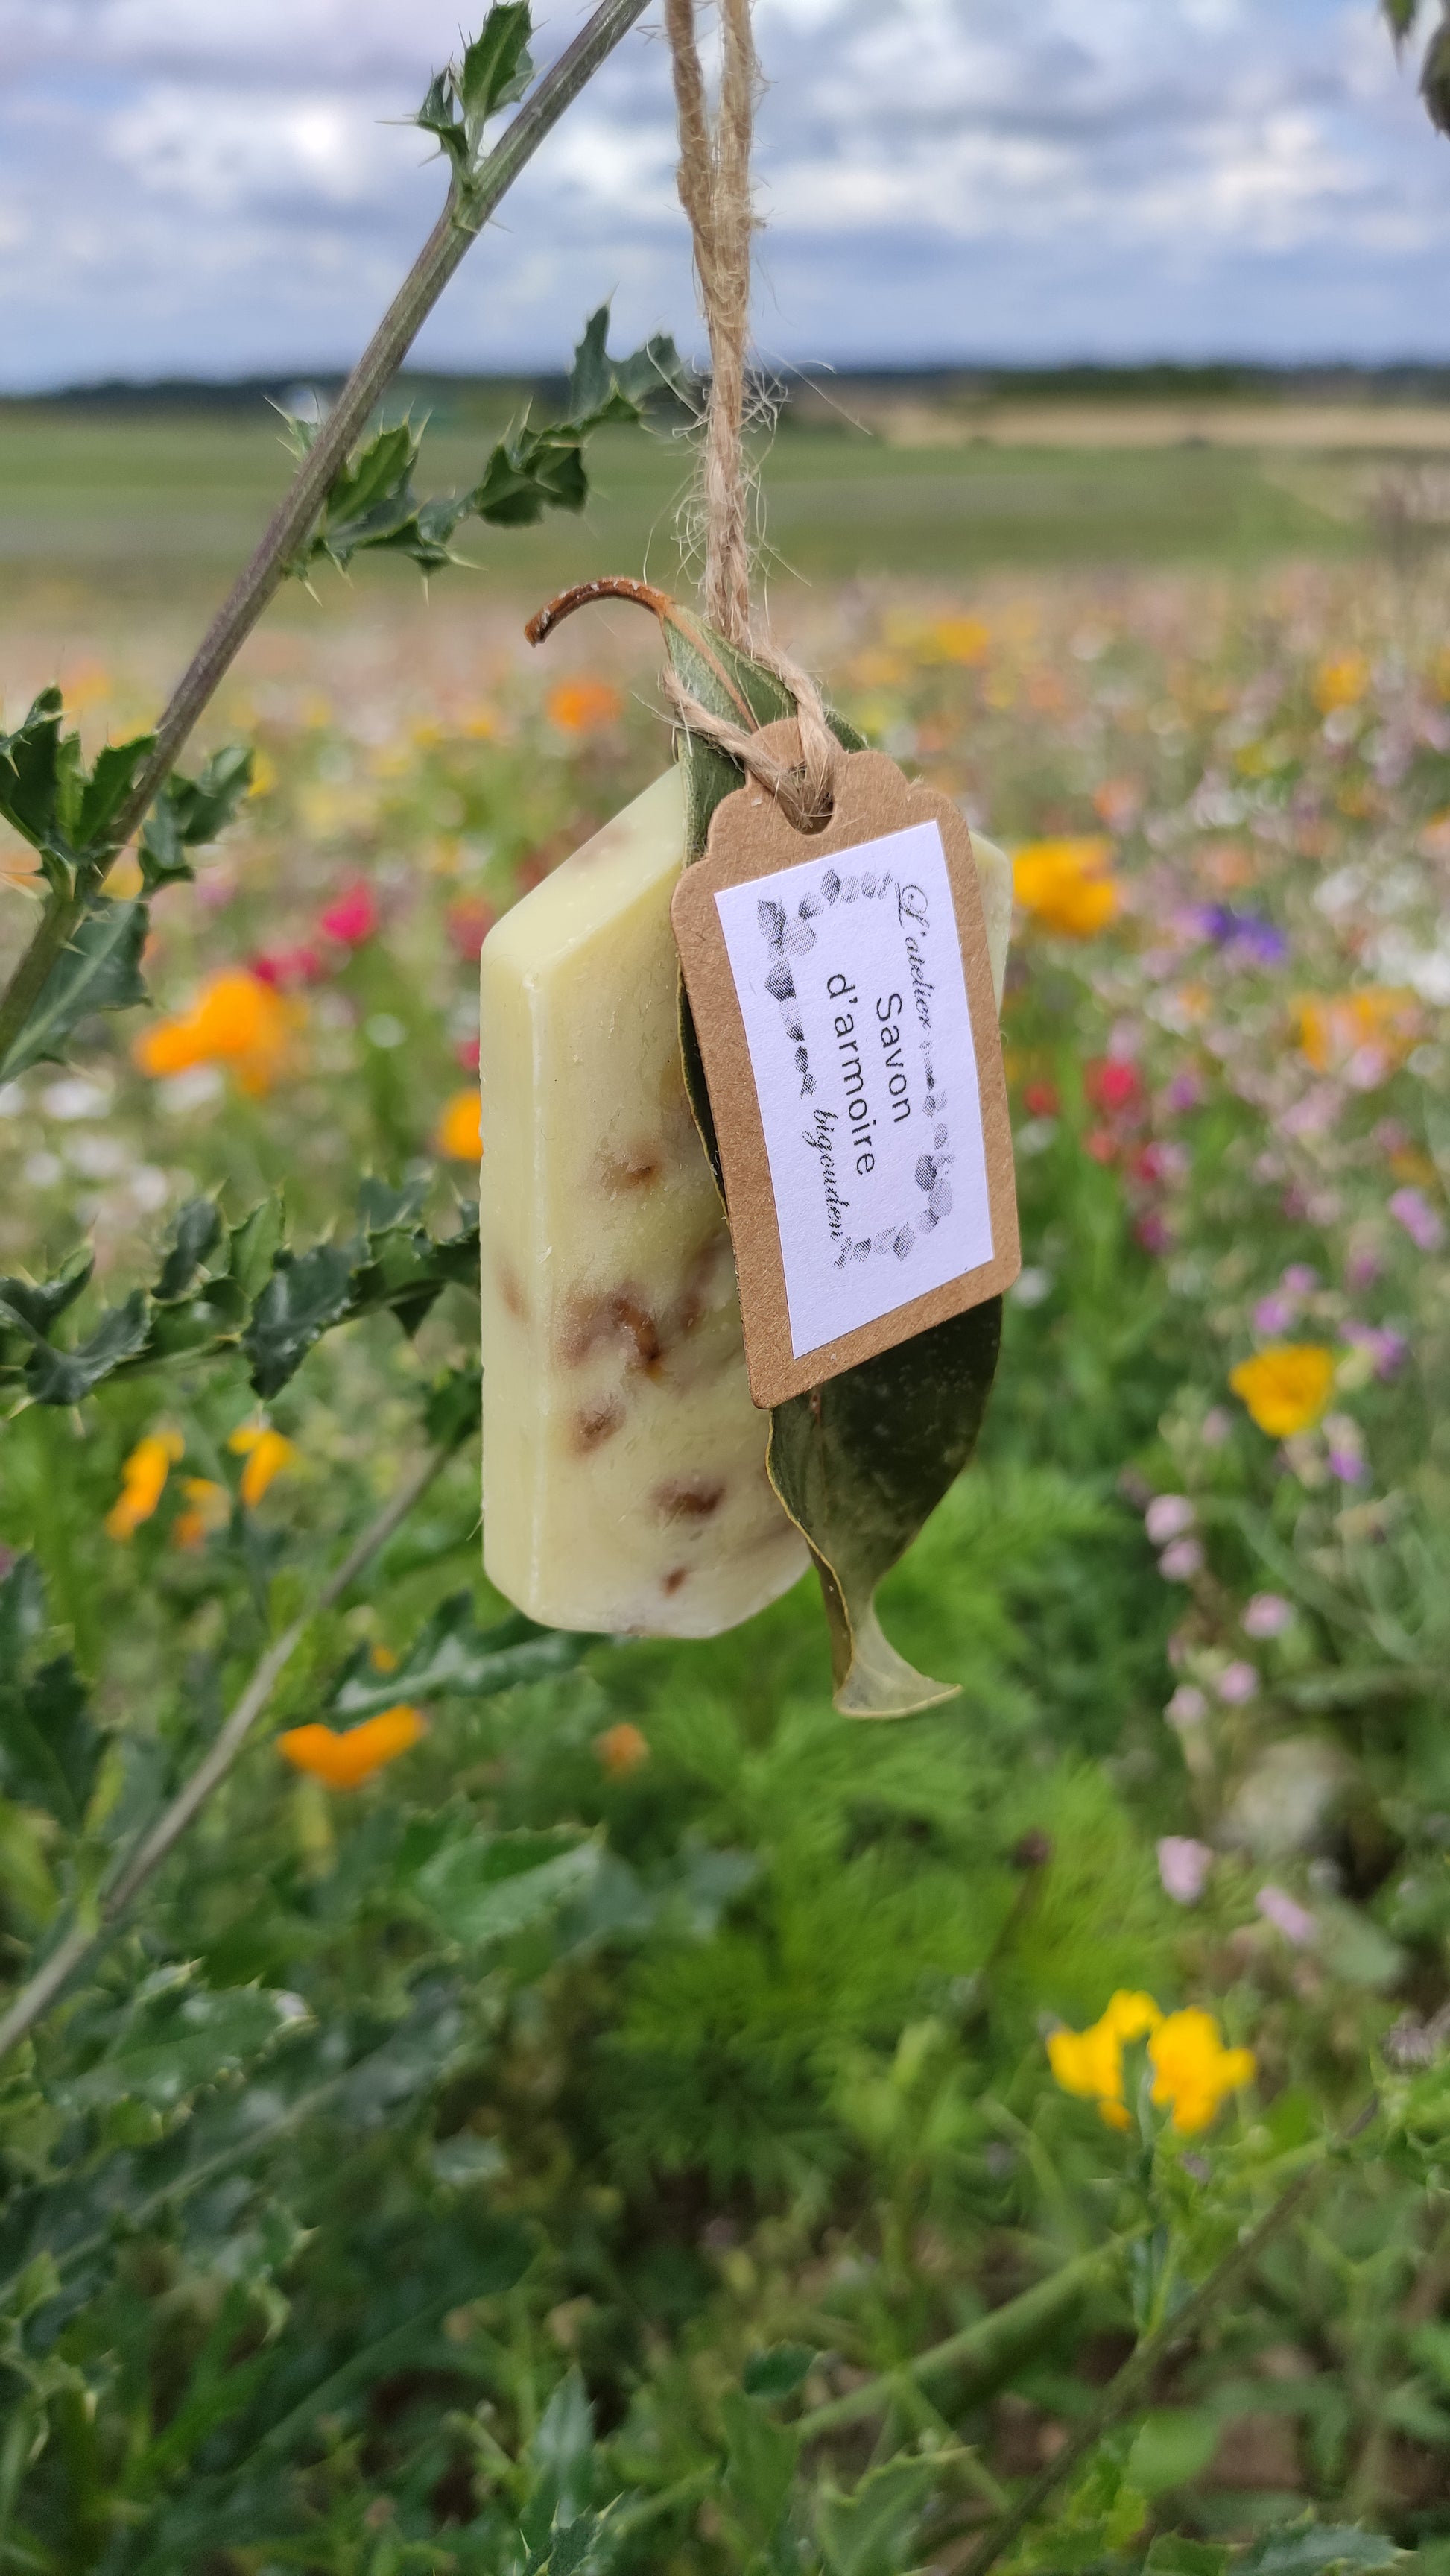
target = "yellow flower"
x: 143, y: 1482
x: 1193, y: 2070
x: 1285, y: 1386
x: 961, y: 639
x: 266, y: 1453
x: 621, y: 1749
x: 1340, y: 682
x: 1332, y: 1027
x: 1068, y: 885
x: 457, y: 1133
x: 208, y: 1507
x: 345, y: 1761
x: 1089, y: 2063
x: 236, y: 1021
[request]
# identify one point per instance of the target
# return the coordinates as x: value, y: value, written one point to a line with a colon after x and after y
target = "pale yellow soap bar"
x: 624, y: 1483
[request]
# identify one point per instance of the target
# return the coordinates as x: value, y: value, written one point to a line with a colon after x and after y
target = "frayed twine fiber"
x: 714, y: 184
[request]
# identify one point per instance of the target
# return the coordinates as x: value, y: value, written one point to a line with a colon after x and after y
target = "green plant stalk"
x: 1135, y: 2379
x: 978, y: 2347
x: 87, y: 1932
x: 444, y: 251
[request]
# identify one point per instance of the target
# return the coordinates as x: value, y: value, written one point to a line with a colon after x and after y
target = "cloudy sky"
x: 223, y: 186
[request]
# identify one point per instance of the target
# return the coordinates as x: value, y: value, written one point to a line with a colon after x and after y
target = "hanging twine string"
x: 714, y: 185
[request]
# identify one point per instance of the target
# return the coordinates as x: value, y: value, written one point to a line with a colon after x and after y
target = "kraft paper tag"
x: 843, y: 1001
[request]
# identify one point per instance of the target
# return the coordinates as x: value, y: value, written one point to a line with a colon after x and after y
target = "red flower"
x: 1111, y: 1086
x: 466, y: 1054
x: 1102, y: 1144
x: 469, y: 921
x: 1040, y: 1100
x: 280, y: 967
x: 352, y: 918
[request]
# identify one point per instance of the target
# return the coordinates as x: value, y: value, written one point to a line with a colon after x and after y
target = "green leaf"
x: 1317, y: 2549
x: 1401, y: 16
x: 49, y: 1750
x: 98, y: 970
x: 194, y: 1234
x: 36, y: 1305
x: 1170, y: 2556
x: 1435, y: 78
x: 778, y: 2373
x: 761, y: 2458
x: 496, y: 69
x: 191, y: 811
x: 452, y: 1658
x: 33, y: 766
x: 111, y: 780
x: 870, y: 2533
x: 63, y: 1377
x: 175, y: 2037
x: 1170, y: 2447
x: 562, y: 2451
x: 861, y: 1462
x: 482, y: 1890
x: 306, y: 1292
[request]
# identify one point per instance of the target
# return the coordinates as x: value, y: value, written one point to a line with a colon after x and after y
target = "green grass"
x: 144, y: 509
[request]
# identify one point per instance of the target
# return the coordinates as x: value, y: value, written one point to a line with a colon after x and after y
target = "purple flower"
x: 1295, y: 1921
x: 1389, y: 1350
x: 1183, y: 1865
x: 1236, y: 1683
x: 1421, y: 1222
x: 1168, y: 1516
x: 1363, y: 1266
x: 1267, y: 1615
x: 1180, y: 1562
x: 1274, y: 1316
x: 1345, y: 1449
x: 1299, y: 1279
x: 1187, y: 1707
x: 1185, y: 1091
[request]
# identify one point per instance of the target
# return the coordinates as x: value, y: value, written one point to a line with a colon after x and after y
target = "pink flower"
x: 1295, y: 1921
x: 1168, y: 1516
x: 1421, y: 1222
x: 466, y: 1053
x: 1217, y: 1427
x: 1180, y: 1562
x: 1267, y: 1615
x: 1183, y: 1865
x: 1299, y: 1279
x: 1187, y: 1707
x: 1154, y: 1232
x: 1363, y: 1266
x: 1237, y: 1683
x: 352, y: 919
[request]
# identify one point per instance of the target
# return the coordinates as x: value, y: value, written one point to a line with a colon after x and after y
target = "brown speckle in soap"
x: 634, y: 1170
x: 594, y: 1424
x: 511, y: 1292
x: 623, y: 1317
x: 689, y: 1498
x: 677, y: 1575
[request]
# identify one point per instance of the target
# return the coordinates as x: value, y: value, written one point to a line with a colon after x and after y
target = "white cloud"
x: 217, y: 184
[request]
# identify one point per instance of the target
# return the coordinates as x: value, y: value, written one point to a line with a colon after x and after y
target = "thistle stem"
x: 444, y: 251
x: 83, y: 1936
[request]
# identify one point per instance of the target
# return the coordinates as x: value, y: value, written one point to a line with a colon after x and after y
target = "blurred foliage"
x: 504, y: 2164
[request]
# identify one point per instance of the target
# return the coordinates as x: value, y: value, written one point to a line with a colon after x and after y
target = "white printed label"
x: 849, y: 978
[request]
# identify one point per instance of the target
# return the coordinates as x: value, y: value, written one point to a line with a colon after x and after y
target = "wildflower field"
x: 577, y: 2103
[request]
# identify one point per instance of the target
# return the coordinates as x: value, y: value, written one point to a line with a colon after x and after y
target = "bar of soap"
x: 624, y: 1481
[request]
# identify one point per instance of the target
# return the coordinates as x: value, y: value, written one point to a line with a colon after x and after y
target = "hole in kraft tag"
x: 843, y: 1003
